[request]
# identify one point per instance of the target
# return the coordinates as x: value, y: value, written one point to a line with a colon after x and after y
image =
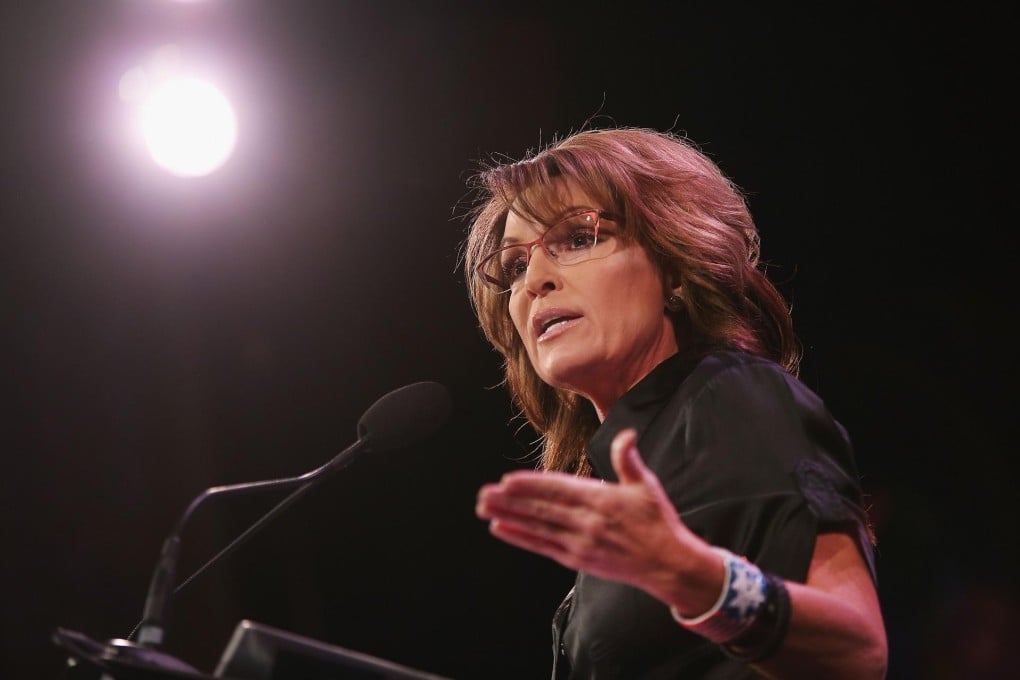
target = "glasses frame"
x: 529, y: 246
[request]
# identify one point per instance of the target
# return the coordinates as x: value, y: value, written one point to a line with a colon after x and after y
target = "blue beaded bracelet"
x: 742, y: 598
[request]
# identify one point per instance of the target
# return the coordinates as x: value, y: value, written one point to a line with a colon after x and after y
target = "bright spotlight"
x: 189, y: 126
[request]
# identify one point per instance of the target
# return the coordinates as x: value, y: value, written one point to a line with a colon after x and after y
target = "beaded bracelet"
x: 767, y: 633
x: 751, y: 616
x: 743, y: 596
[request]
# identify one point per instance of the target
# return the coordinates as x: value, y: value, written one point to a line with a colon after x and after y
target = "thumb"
x: 625, y: 457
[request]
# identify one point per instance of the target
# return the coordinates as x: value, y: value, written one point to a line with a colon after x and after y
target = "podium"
x: 255, y: 651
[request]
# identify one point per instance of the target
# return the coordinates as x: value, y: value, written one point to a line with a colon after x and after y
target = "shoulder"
x: 749, y: 381
x: 757, y: 440
x: 733, y: 366
x: 744, y: 417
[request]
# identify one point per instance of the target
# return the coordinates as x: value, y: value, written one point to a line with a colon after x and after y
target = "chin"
x: 572, y: 373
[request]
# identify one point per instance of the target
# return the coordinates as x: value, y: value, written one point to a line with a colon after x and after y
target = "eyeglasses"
x: 572, y: 240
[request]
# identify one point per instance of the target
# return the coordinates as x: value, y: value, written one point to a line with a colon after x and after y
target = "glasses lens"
x: 573, y: 239
x: 568, y: 241
x: 510, y: 265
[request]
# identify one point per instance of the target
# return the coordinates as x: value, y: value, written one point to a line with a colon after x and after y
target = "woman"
x: 706, y: 498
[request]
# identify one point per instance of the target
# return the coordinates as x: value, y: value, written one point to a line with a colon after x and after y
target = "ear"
x: 675, y: 300
x: 671, y: 286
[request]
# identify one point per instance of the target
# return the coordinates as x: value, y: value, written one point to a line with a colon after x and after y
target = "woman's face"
x: 595, y: 327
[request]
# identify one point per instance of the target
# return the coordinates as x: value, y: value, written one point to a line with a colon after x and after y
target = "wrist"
x: 750, y: 614
x: 768, y: 631
x: 692, y: 582
x: 736, y: 604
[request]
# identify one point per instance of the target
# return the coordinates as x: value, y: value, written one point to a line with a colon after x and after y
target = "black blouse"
x: 755, y: 463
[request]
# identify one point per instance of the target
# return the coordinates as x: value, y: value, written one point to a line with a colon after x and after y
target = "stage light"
x: 188, y: 125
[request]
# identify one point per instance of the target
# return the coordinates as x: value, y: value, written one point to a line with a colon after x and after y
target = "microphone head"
x: 405, y: 416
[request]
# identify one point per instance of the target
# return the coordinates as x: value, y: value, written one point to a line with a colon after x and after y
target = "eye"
x: 574, y: 234
x: 581, y: 237
x: 513, y: 262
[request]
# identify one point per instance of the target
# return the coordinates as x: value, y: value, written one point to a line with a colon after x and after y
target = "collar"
x: 636, y: 407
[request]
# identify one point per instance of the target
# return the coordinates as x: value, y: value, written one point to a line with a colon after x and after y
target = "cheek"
x: 633, y: 313
x: 636, y: 294
x: 518, y: 315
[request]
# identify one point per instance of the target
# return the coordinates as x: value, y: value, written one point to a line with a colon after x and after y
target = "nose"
x: 542, y: 274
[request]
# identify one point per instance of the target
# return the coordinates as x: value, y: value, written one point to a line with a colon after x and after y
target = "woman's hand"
x: 628, y: 532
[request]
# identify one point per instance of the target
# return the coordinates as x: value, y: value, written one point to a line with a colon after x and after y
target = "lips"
x: 548, y: 320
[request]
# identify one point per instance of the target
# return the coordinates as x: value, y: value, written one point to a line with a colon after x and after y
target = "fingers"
x: 498, y: 501
x: 627, y: 463
x: 559, y: 499
x: 533, y: 523
x: 552, y: 486
x: 521, y: 537
x: 630, y: 469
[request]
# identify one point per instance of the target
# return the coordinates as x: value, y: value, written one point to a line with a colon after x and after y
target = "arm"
x: 836, y: 622
x: 630, y: 532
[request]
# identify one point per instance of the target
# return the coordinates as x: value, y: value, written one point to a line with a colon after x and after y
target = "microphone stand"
x: 131, y: 658
x: 398, y: 418
x: 157, y: 602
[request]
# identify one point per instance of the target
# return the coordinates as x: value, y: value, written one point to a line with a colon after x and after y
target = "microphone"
x: 398, y: 419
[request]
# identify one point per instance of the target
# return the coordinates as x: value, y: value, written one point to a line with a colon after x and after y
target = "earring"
x: 674, y: 303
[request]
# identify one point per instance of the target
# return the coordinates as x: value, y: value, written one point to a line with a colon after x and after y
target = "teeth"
x: 552, y: 322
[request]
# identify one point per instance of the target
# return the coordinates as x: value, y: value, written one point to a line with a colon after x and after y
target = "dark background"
x: 165, y: 335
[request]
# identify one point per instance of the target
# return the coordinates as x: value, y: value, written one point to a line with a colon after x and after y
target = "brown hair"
x: 688, y: 216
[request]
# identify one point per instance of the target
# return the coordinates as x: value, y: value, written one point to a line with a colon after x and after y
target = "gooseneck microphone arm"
x: 402, y: 417
x: 151, y: 628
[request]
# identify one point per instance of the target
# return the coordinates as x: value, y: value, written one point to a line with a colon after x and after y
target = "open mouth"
x: 552, y: 320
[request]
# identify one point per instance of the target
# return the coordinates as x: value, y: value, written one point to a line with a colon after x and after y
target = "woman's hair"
x: 674, y: 202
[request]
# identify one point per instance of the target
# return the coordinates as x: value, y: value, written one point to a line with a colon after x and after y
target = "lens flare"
x: 189, y: 127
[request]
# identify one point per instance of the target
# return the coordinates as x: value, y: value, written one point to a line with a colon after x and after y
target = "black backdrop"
x: 165, y: 335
